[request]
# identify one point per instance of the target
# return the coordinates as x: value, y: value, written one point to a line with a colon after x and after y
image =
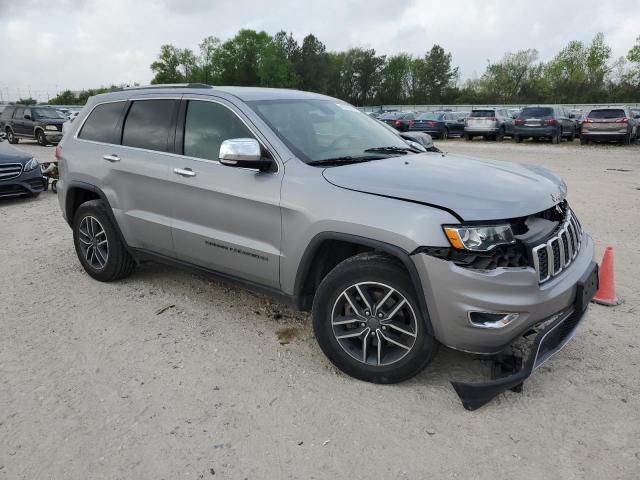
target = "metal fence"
x: 586, y: 107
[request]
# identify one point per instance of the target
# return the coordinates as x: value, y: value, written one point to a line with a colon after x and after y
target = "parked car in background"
x: 399, y: 120
x: 551, y: 122
x: 20, y: 173
x: 489, y: 123
x: 514, y: 112
x: 578, y: 118
x: 607, y: 124
x: 72, y: 116
x: 439, y: 124
x: 43, y: 124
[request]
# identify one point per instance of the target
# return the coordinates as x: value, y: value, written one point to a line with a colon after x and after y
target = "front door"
x: 226, y: 219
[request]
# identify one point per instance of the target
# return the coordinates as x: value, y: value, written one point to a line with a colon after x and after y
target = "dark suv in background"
x: 43, y: 124
x: 440, y: 124
x: 489, y: 123
x: 550, y: 122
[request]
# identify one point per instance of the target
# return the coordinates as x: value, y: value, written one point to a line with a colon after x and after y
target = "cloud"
x: 91, y: 43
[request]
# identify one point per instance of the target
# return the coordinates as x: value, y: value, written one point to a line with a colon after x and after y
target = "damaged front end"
x: 537, y: 346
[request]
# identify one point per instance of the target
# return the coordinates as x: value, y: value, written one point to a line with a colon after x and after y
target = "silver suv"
x: 301, y: 196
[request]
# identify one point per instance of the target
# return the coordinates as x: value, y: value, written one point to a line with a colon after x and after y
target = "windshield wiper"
x: 345, y: 160
x: 402, y: 150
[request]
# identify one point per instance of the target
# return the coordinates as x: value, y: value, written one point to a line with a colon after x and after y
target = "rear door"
x: 225, y: 219
x: 134, y: 141
x: 17, y: 122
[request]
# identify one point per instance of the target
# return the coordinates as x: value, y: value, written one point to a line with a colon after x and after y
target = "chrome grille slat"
x: 558, y: 252
x: 9, y: 171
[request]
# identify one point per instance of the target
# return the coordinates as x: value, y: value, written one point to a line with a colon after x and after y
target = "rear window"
x: 101, y: 124
x: 148, y: 124
x: 483, y: 113
x: 430, y: 116
x: 607, y: 113
x: 536, y: 112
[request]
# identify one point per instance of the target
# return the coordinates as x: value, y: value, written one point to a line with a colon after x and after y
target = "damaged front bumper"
x: 552, y: 335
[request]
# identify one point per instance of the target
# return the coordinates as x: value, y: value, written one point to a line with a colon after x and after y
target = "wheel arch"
x: 77, y: 193
x: 327, y: 249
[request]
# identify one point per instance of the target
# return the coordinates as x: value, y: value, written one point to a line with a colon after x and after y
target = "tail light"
x: 551, y: 121
x: 622, y: 120
x: 519, y: 121
x: 58, y: 153
x: 397, y: 123
x: 587, y: 120
x: 492, y: 119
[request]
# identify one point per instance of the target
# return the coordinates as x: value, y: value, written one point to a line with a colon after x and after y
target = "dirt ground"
x: 169, y: 375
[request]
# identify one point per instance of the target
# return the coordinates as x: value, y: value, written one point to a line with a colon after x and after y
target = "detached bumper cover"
x: 550, y: 340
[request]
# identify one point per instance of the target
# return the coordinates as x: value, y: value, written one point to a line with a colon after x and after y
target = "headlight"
x: 479, y: 239
x: 30, y: 165
x: 51, y: 127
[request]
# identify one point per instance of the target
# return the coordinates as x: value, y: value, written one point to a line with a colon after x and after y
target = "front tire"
x: 11, y: 137
x: 367, y: 321
x: 98, y: 245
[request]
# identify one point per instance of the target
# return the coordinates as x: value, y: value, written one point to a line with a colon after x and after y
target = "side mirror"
x: 27, y: 117
x: 243, y: 153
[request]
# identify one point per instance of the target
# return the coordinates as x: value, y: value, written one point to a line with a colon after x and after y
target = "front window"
x: 318, y: 129
x: 47, y: 113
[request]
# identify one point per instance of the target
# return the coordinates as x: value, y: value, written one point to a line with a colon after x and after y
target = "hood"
x: 472, y: 189
x: 9, y: 154
x: 52, y: 121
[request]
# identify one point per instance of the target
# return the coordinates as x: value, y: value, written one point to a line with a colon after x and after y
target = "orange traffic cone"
x: 606, y: 294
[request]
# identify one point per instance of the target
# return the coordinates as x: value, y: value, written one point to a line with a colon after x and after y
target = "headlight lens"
x: 30, y: 165
x: 479, y: 239
x: 51, y: 127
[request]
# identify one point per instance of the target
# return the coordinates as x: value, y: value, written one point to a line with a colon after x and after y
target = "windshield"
x: 607, y: 113
x: 47, y: 113
x: 318, y: 129
x: 430, y: 116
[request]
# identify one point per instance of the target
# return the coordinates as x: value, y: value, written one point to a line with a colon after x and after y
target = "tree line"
x: 582, y: 72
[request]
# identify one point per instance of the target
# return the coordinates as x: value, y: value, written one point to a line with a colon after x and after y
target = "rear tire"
x: 499, y: 136
x: 583, y: 141
x: 556, y: 138
x: 468, y: 137
x: 518, y: 139
x: 358, y: 346
x: 445, y: 134
x: 98, y: 244
x: 627, y: 139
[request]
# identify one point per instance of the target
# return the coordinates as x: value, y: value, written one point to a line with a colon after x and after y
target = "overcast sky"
x: 48, y: 46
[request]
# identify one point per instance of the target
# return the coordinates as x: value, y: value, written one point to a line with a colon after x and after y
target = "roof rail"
x: 169, y: 85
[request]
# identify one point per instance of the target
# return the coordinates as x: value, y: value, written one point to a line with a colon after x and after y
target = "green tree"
x: 167, y: 67
x: 395, y: 87
x: 510, y: 80
x: 26, y: 101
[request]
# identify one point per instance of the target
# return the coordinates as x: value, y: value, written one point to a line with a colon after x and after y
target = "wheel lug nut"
x: 367, y: 313
x: 362, y: 324
x: 380, y: 315
x: 384, y: 327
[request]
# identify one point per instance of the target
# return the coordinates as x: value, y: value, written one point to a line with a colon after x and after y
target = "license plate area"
x: 587, y: 288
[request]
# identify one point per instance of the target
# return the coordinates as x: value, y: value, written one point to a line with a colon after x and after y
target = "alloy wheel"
x: 93, y: 242
x: 374, y: 323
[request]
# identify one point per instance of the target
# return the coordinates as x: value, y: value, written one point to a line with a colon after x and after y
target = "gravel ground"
x: 169, y: 375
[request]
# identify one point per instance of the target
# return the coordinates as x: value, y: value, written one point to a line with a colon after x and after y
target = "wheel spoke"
x: 364, y: 298
x: 365, y: 341
x: 88, y: 253
x: 354, y: 334
x: 395, y: 310
x: 347, y: 321
x: 352, y: 302
x: 86, y: 242
x: 379, y: 348
x: 382, y: 301
x: 102, y: 258
x: 390, y: 340
x: 402, y: 330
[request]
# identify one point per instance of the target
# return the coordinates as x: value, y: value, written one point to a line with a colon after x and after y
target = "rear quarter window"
x: 483, y: 113
x: 101, y: 123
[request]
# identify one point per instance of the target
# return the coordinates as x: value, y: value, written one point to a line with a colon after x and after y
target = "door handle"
x: 111, y: 158
x: 184, y: 172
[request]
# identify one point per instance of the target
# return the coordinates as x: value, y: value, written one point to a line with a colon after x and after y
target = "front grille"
x: 553, y: 256
x: 9, y: 171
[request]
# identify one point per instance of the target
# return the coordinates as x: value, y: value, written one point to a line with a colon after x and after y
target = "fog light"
x: 491, y: 319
